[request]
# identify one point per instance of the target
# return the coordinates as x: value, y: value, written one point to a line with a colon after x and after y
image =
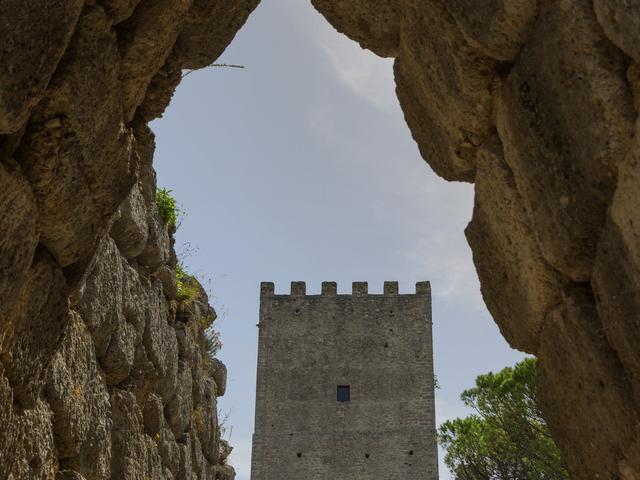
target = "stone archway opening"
x: 545, y: 133
x: 322, y: 180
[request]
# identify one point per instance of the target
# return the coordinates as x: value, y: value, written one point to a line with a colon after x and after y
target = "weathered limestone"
x: 616, y: 276
x: 157, y: 251
x: 497, y: 27
x: 583, y: 379
x: 146, y: 39
x: 77, y: 153
x: 26, y: 439
x: 160, y: 344
x: 135, y: 454
x: 161, y: 89
x: 18, y: 217
x: 219, y: 374
x: 88, y: 336
x: 209, y: 28
x: 565, y: 117
x: 535, y: 101
x: 119, y: 10
x: 443, y: 85
x: 119, y: 358
x: 101, y: 306
x: 130, y: 229
x: 78, y: 397
x: 32, y: 328
x: 33, y: 40
x: 180, y: 407
x: 374, y: 24
x: 621, y: 22
x: 508, y: 259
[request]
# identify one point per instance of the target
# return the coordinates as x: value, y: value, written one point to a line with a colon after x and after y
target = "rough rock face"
x: 536, y: 101
x: 99, y: 377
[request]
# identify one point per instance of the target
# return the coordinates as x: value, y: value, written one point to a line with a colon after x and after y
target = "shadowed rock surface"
x: 536, y: 101
x: 99, y: 377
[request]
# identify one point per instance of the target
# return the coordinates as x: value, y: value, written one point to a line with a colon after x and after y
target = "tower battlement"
x: 331, y: 289
x: 345, y: 385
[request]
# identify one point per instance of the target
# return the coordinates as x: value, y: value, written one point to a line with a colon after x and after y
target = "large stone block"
x: 160, y: 343
x: 620, y: 20
x: 134, y: 454
x: 225, y: 472
x: 219, y: 375
x: 157, y: 251
x: 518, y: 285
x: 206, y: 423
x: 565, y: 117
x: 101, y: 304
x: 119, y: 10
x: 119, y: 358
x: 146, y: 40
x: 156, y: 427
x: 34, y: 36
x: 199, y: 464
x: 145, y: 148
x: 187, y: 347
x: 77, y: 153
x: 583, y: 390
x: 616, y: 274
x: 497, y: 27
x: 444, y: 88
x: 130, y: 229
x: 375, y: 25
x: 32, y: 329
x: 78, y: 397
x: 180, y: 407
x: 198, y: 378
x: 209, y: 28
x: 26, y: 439
x: 18, y: 218
x: 69, y: 475
x: 161, y: 89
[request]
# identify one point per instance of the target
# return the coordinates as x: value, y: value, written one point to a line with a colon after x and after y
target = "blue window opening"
x: 344, y: 393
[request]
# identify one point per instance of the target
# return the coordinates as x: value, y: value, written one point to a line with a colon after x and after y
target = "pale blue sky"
x: 300, y: 167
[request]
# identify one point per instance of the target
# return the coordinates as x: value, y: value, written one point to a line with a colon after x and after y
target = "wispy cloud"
x: 445, y: 256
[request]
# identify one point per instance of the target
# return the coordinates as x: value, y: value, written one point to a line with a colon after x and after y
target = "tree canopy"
x: 506, y: 438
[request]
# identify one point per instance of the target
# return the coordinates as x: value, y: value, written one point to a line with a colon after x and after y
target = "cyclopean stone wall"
x: 536, y: 102
x: 102, y: 374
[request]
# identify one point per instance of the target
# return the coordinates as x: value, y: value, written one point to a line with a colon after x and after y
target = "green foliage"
x: 187, y: 290
x: 507, y: 438
x: 168, y: 208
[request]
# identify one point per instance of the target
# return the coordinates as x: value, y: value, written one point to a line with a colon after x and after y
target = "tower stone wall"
x: 378, y: 347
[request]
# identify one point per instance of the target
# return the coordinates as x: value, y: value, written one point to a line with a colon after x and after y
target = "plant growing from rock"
x: 212, y: 341
x: 168, y: 208
x: 187, y: 290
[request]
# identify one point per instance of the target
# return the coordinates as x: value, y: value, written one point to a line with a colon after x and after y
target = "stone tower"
x: 345, y: 386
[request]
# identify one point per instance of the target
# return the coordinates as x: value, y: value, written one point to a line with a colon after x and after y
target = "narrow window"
x: 344, y: 393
